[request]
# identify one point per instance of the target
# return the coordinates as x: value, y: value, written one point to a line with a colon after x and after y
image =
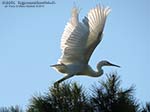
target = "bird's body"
x: 78, y: 42
x: 78, y: 69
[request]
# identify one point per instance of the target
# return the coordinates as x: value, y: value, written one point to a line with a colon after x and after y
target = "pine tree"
x: 11, y: 109
x: 64, y: 98
x: 110, y: 97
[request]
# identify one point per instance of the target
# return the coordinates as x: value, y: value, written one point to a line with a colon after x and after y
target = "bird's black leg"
x: 56, y: 84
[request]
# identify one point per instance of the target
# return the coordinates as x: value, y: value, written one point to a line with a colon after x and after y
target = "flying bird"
x: 78, y: 42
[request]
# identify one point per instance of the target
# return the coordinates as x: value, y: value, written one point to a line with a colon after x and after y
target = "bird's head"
x: 106, y: 63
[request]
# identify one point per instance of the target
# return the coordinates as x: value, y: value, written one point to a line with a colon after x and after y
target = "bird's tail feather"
x: 59, y: 67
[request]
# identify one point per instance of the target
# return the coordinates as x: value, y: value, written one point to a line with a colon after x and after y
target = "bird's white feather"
x: 73, y: 40
x: 80, y: 39
x: 95, y: 20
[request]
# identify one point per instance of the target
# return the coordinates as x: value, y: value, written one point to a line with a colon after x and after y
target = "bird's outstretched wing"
x: 73, y: 41
x: 95, y: 20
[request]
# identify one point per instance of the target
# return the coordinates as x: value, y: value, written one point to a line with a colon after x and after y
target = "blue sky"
x: 30, y: 42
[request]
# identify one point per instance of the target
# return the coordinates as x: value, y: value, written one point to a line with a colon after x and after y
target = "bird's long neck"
x: 92, y: 73
x: 96, y: 73
x: 99, y: 69
x: 99, y: 72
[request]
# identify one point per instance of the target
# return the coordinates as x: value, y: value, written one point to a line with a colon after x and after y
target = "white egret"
x: 78, y: 42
